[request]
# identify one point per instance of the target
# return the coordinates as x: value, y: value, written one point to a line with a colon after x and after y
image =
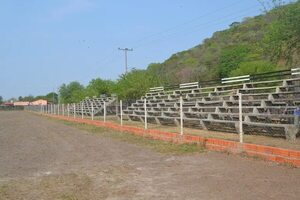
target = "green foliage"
x: 129, y: 86
x: 26, y: 98
x: 51, y: 97
x: 231, y: 57
x: 98, y: 86
x: 1, y: 99
x: 272, y: 37
x: 134, y: 84
x: 282, y: 39
x: 253, y: 67
x: 72, y: 92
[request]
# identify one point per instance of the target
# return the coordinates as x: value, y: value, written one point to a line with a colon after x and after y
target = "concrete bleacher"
x: 94, y: 105
x: 267, y: 106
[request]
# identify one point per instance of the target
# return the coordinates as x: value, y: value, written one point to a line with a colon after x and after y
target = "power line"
x: 206, y: 24
x: 173, y: 31
x: 186, y: 22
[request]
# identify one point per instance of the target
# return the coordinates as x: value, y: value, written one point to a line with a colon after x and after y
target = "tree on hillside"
x: 98, y: 86
x: 231, y: 57
x: 134, y: 84
x: 72, y: 92
x: 282, y: 40
x: 52, y: 97
x: 26, y: 98
x: 253, y: 67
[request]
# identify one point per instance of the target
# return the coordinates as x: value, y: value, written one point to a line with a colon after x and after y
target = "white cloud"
x: 71, y: 7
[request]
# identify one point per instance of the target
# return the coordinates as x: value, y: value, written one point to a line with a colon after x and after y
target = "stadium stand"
x: 268, y: 104
x: 95, y: 105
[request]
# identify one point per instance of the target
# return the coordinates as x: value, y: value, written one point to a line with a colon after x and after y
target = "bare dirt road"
x: 45, y: 159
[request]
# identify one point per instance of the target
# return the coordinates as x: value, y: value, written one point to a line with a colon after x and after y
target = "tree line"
x: 129, y: 86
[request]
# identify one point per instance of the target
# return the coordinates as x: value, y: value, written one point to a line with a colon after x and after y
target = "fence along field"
x: 262, y: 104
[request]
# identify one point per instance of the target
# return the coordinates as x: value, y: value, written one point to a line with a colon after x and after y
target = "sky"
x: 44, y: 44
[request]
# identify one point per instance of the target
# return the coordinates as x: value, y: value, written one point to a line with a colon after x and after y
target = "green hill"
x: 264, y: 43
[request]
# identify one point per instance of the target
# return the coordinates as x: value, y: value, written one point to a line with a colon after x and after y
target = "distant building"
x: 34, y: 103
x: 7, y: 104
x: 21, y: 103
x: 39, y: 102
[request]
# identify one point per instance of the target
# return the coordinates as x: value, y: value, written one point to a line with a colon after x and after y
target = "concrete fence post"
x: 145, y: 110
x: 92, y: 111
x: 121, y: 112
x: 68, y: 109
x: 241, y: 132
x: 58, y: 109
x: 117, y: 108
x: 104, y: 111
x: 74, y: 110
x: 63, y: 109
x: 181, y: 116
x: 82, y: 110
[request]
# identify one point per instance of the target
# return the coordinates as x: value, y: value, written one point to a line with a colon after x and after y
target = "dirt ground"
x: 46, y: 159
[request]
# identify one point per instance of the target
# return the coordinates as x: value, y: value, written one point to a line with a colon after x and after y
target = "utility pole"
x: 125, y: 51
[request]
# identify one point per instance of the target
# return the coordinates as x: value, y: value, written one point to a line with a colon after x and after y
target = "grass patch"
x: 3, y: 191
x: 157, y: 145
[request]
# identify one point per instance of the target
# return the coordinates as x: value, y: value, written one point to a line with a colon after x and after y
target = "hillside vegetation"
x: 267, y: 42
x: 263, y: 43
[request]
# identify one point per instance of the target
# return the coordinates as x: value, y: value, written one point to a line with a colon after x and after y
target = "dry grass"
x: 254, y: 139
x: 157, y: 145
